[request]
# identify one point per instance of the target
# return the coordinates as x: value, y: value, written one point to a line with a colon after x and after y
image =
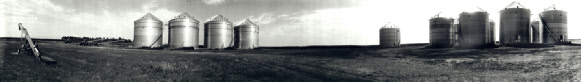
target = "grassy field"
x: 415, y: 62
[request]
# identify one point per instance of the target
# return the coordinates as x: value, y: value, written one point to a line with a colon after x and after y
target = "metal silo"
x: 218, y: 33
x: 536, y: 31
x: 442, y: 32
x: 183, y: 32
x: 491, y: 38
x: 389, y: 36
x: 474, y: 30
x: 148, y: 32
x: 246, y: 35
x: 514, y: 24
x: 555, y: 25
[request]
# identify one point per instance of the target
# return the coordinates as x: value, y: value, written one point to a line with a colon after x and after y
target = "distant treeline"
x: 72, y: 39
x: 18, y: 38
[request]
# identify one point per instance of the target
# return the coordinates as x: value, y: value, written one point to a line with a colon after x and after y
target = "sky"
x: 281, y: 22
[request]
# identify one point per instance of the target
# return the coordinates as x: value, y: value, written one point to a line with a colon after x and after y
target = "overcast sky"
x: 282, y: 22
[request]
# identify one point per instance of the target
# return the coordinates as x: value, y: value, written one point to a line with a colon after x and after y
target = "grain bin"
x: 183, y: 32
x: 246, y: 35
x: 491, y: 32
x: 218, y: 33
x: 148, y: 32
x: 514, y: 24
x: 442, y: 32
x: 555, y: 22
x: 389, y: 36
x: 536, y: 31
x: 474, y: 29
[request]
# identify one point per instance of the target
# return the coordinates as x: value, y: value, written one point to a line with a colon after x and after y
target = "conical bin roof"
x: 218, y: 18
x: 149, y: 16
x: 184, y: 15
x: 474, y: 9
x: 390, y: 25
x: 552, y: 7
x: 247, y: 22
x: 515, y: 5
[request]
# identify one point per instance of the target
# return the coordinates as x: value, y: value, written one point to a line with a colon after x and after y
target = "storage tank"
x: 474, y: 29
x: 536, y: 31
x: 514, y: 24
x: 218, y: 33
x: 148, y: 32
x: 442, y: 32
x: 491, y: 29
x: 246, y: 35
x: 556, y: 21
x: 389, y: 36
x: 183, y: 32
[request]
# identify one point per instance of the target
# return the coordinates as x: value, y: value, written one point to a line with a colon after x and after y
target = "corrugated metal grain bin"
x: 183, y: 32
x: 474, y: 30
x: 556, y: 21
x: 514, y: 24
x: 536, y: 31
x: 491, y: 32
x: 218, y: 33
x: 442, y: 32
x: 246, y: 35
x: 389, y: 36
x: 148, y: 32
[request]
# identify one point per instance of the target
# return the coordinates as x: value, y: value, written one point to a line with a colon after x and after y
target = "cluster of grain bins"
x: 554, y: 22
x: 184, y: 30
x: 443, y: 32
x: 515, y: 25
x: 474, y: 29
x: 389, y: 36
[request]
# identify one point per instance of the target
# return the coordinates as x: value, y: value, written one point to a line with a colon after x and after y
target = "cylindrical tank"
x: 556, y: 21
x: 148, y: 32
x: 536, y: 32
x: 491, y: 32
x: 183, y: 32
x: 246, y: 35
x: 514, y: 25
x: 474, y: 29
x: 389, y: 36
x: 442, y: 32
x: 218, y: 33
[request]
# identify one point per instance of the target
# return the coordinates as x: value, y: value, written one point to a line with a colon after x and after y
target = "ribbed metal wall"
x: 474, y: 29
x: 183, y: 32
x: 246, y: 35
x: 556, y: 20
x: 218, y: 33
x: 536, y: 32
x: 514, y: 26
x: 389, y: 37
x: 491, y: 38
x: 442, y: 32
x: 148, y: 32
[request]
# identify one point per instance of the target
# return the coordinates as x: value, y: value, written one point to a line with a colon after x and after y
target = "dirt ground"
x: 561, y: 62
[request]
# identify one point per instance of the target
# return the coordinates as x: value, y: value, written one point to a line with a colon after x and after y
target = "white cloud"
x: 342, y: 26
x: 264, y: 18
x: 48, y: 16
x: 214, y: 2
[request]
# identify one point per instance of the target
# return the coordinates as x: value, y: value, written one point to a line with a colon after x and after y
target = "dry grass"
x: 406, y: 63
